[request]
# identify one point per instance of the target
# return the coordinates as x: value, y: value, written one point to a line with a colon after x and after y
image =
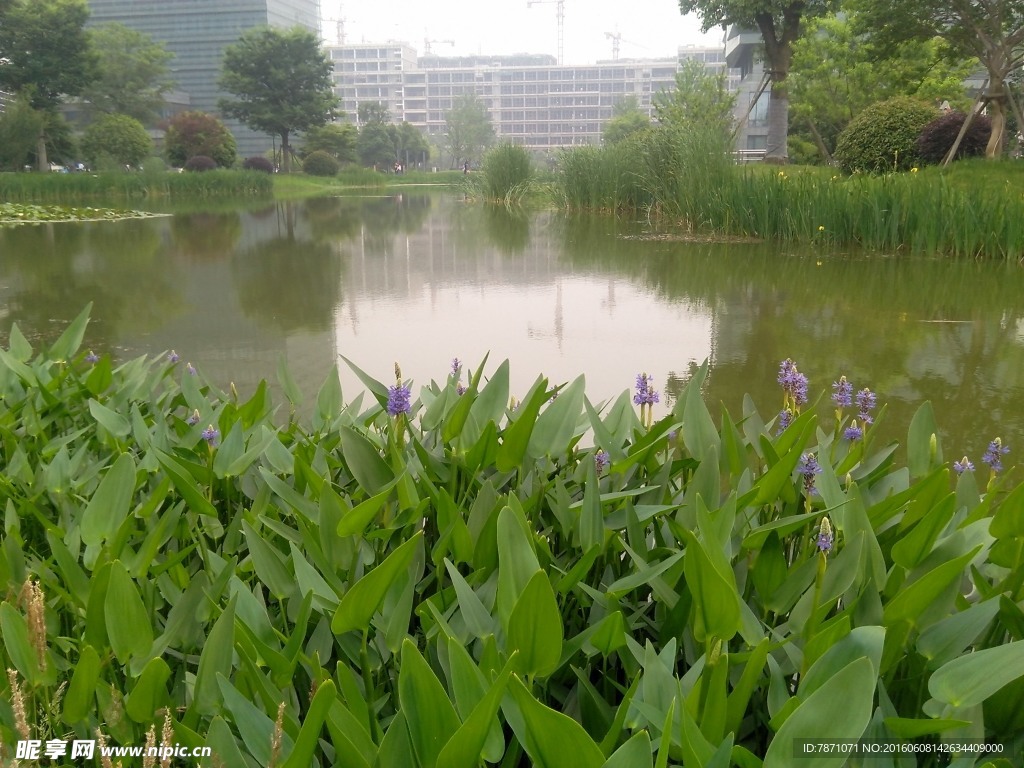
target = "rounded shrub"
x: 257, y: 163
x: 937, y: 137
x: 197, y: 133
x: 506, y: 171
x: 200, y: 163
x: 883, y: 137
x: 320, y: 163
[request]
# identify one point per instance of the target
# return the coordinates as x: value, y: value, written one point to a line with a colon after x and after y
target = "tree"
x: 779, y: 22
x: 132, y: 75
x: 336, y: 139
x: 990, y: 30
x: 118, y: 138
x: 469, y: 130
x: 375, y: 144
x: 837, y: 72
x: 408, y: 142
x: 283, y: 83
x: 190, y: 134
x: 46, y: 56
x: 20, y: 126
x: 627, y: 119
x: 700, y: 97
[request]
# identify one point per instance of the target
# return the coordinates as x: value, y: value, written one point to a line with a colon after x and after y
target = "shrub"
x: 257, y: 163
x: 883, y: 137
x: 320, y: 163
x: 200, y: 163
x: 938, y: 136
x: 197, y: 133
x: 119, y: 138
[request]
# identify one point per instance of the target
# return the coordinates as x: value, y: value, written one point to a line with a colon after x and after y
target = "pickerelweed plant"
x: 558, y: 584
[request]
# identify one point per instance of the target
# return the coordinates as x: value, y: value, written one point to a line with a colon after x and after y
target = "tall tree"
x: 779, y: 22
x: 837, y: 72
x: 469, y: 130
x: 132, y: 73
x: 46, y: 56
x: 700, y: 96
x: 282, y: 81
x: 627, y: 120
x: 336, y: 139
x: 990, y: 30
x: 374, y: 145
x: 410, y: 145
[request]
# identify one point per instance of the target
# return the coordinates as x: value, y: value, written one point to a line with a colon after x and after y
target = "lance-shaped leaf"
x: 535, y: 628
x: 364, y: 598
x: 110, y: 505
x: 551, y: 739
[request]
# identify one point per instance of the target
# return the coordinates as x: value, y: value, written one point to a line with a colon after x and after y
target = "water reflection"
x: 421, y: 278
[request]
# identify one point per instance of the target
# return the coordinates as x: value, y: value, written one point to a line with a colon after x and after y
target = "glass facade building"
x: 197, y: 32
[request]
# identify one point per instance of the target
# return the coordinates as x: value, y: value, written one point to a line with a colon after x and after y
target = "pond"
x: 420, y: 278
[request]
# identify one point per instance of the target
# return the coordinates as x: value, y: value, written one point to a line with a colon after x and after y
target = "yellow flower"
x: 913, y: 170
x: 821, y: 228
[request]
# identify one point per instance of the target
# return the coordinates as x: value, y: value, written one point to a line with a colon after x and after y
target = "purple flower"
x: 92, y: 358
x: 399, y: 399
x: 191, y: 369
x: 456, y: 366
x: 172, y: 357
x: 807, y: 469
x: 784, y: 420
x: 842, y: 393
x: 601, y: 460
x: 865, y: 405
x: 794, y: 383
x: 825, y: 538
x: 853, y: 432
x: 645, y: 395
x: 460, y: 390
x: 211, y: 435
x: 964, y: 465
x: 193, y: 419
x: 995, y: 450
x: 672, y: 435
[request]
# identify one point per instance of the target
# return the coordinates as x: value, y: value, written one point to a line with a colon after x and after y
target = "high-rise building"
x: 197, y: 32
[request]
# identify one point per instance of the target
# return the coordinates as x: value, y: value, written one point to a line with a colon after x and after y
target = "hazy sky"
x: 648, y: 28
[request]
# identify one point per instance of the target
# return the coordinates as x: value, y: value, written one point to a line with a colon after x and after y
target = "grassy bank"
x: 296, y: 185
x: 428, y: 576
x: 69, y: 188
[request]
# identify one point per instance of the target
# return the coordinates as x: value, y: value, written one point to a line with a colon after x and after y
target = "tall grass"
x: 72, y: 187
x: 506, y: 174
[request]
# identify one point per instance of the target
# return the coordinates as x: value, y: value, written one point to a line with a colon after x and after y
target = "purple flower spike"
x: 456, y: 366
x: 645, y: 395
x: 784, y: 420
x: 793, y: 382
x: 211, y: 435
x: 825, y: 539
x: 193, y: 419
x: 92, y: 358
x: 995, y: 450
x: 191, y: 369
x: 172, y: 357
x: 865, y: 405
x: 399, y: 399
x: 842, y: 393
x: 601, y: 461
x: 964, y: 465
x: 807, y: 469
x: 853, y: 432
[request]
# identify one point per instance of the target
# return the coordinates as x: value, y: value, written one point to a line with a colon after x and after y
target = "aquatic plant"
x: 489, y: 590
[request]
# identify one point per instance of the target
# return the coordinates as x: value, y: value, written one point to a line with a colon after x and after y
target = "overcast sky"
x: 648, y: 28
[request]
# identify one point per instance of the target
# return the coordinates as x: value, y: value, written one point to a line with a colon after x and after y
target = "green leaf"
x: 839, y: 709
x: 635, y: 753
x: 535, y: 628
x: 478, y: 619
x: 551, y: 739
x: 128, y: 624
x: 699, y: 433
x: 19, y: 646
x: 916, y: 544
x: 306, y: 743
x: 288, y: 386
x: 557, y: 424
x: 149, y: 693
x: 433, y: 720
x: 365, y: 462
x: 67, y: 344
x: 253, y: 724
x: 355, y: 521
x: 948, y: 638
x: 364, y: 598
x: 913, y: 599
x: 185, y: 485
x: 110, y: 504
x: 112, y: 421
x: 969, y: 680
x: 1008, y: 520
x: 908, y: 728
x: 861, y: 642
x: 80, y: 699
x: 517, y: 435
x: 715, y: 594
x: 517, y: 562
x: 465, y: 746
x: 378, y: 390
x: 923, y: 430
x: 328, y: 400
x: 215, y: 660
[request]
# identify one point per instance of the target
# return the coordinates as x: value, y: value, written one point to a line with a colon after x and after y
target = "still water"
x: 421, y: 278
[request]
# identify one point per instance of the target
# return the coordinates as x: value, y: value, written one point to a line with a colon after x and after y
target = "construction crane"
x: 560, y: 8
x: 427, y: 42
x: 339, y: 26
x: 616, y: 38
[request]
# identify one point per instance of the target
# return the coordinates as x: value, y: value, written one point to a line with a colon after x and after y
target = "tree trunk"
x: 42, y: 162
x: 286, y: 154
x: 777, y: 149
x: 997, y: 115
x: 778, y: 55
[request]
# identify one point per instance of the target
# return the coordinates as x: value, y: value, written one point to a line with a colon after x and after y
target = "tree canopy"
x: 282, y: 83
x: 990, y: 30
x: 700, y: 96
x: 627, y: 120
x: 779, y: 22
x: 191, y: 134
x: 336, y: 139
x: 132, y: 75
x: 117, y: 139
x: 374, y: 145
x: 468, y: 129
